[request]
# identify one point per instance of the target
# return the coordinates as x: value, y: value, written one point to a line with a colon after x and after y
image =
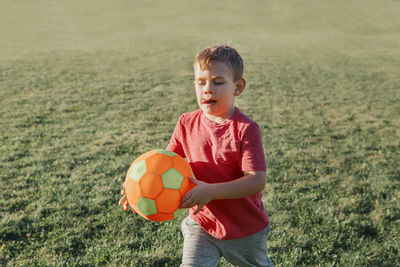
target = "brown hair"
x: 221, y: 53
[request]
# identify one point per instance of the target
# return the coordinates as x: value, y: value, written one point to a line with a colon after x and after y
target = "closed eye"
x: 200, y: 82
x: 218, y: 82
x: 204, y: 82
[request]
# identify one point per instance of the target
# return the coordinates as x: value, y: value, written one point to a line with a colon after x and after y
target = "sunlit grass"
x: 79, y: 100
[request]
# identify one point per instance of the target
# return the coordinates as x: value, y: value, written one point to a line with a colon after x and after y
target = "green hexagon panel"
x: 166, y: 152
x: 147, y: 206
x: 138, y: 170
x: 172, y: 179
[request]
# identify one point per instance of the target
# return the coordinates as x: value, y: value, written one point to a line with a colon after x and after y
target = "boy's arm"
x: 251, y: 183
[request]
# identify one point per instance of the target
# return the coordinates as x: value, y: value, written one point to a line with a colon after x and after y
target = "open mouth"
x: 209, y: 101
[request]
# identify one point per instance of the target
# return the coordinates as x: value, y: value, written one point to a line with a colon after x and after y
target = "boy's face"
x: 216, y: 90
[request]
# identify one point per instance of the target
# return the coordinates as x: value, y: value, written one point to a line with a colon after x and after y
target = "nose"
x: 208, y: 88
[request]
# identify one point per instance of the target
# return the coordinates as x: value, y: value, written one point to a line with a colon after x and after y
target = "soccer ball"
x: 155, y: 184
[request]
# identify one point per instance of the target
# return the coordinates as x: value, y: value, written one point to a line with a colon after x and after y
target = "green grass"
x: 87, y: 86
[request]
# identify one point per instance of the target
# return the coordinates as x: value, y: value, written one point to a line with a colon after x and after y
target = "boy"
x: 224, y: 148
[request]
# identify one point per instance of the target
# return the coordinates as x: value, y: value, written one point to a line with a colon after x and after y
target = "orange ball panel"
x: 184, y: 187
x: 168, y: 201
x: 158, y: 163
x: 145, y: 156
x: 150, y: 185
x: 160, y: 217
x: 132, y: 191
x: 181, y: 165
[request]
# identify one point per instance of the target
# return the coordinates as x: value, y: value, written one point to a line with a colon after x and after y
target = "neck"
x: 220, y: 119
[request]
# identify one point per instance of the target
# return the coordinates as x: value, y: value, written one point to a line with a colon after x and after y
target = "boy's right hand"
x: 199, y: 195
x: 123, y: 202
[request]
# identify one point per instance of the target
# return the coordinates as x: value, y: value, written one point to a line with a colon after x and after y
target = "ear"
x: 240, y: 85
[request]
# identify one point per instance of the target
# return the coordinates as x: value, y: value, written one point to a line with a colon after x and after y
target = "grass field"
x: 87, y: 86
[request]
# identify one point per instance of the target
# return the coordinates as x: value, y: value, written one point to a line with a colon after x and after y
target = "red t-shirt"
x: 222, y: 152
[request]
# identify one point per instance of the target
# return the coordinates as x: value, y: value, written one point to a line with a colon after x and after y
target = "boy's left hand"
x: 200, y: 195
x: 123, y: 202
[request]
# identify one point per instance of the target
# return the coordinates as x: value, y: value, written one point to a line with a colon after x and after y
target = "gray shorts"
x: 202, y: 249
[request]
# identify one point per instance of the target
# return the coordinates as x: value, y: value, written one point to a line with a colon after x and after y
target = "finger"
x: 186, y: 197
x: 123, y: 190
x: 187, y: 204
x: 194, y: 181
x: 126, y: 206
x: 122, y: 201
x: 199, y: 207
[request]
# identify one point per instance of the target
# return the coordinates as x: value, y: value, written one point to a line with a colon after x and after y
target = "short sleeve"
x: 252, y: 149
x: 175, y: 143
